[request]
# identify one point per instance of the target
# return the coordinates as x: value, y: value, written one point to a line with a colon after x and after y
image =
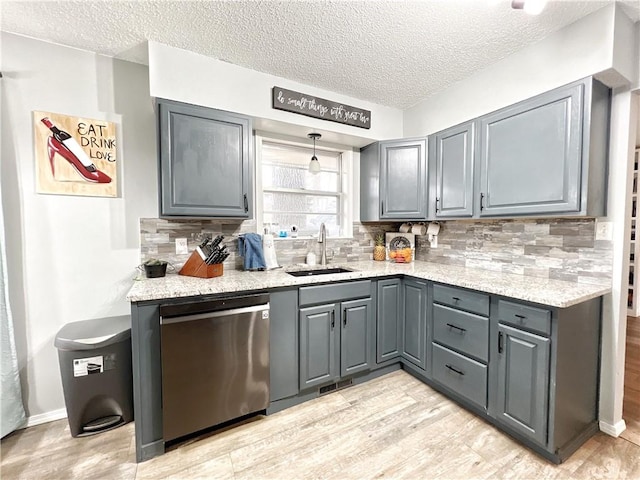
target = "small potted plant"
x: 154, y: 268
x: 379, y: 250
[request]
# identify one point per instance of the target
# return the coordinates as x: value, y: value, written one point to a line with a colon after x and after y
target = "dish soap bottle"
x: 311, y: 258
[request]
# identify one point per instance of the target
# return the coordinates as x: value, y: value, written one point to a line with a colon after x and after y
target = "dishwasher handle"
x: 219, y: 313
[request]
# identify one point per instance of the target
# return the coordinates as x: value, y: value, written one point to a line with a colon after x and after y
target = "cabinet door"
x: 403, y: 179
x: 204, y: 161
x: 530, y: 155
x: 414, y: 329
x: 523, y: 382
x: 283, y: 355
x: 356, y: 337
x: 454, y: 171
x: 318, y: 362
x: 389, y: 333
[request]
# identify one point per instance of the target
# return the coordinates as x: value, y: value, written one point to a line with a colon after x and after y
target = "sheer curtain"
x: 13, y: 415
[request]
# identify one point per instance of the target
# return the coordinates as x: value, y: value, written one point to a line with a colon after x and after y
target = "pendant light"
x: 314, y: 164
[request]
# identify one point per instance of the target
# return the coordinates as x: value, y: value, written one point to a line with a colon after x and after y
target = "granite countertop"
x: 556, y: 293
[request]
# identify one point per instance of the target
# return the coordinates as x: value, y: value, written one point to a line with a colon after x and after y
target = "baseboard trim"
x: 41, y: 418
x: 614, y: 430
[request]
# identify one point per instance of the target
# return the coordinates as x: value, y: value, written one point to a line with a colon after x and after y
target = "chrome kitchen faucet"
x: 322, y: 240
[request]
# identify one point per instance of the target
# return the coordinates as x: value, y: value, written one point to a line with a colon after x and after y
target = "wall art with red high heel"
x: 75, y: 155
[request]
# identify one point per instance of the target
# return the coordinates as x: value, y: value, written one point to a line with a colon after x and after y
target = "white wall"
x: 601, y: 44
x: 583, y: 48
x: 69, y: 258
x: 193, y: 78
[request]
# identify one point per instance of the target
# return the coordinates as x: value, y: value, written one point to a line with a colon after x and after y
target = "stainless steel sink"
x: 323, y: 271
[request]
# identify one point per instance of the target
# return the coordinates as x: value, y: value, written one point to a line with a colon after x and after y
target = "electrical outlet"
x: 181, y: 246
x: 434, y: 241
x: 604, y: 231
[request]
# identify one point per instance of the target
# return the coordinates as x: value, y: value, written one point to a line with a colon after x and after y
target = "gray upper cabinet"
x: 356, y: 337
x: 393, y: 180
x: 523, y: 382
x: 545, y: 156
x: 389, y: 320
x: 454, y: 156
x: 205, y: 161
x: 530, y: 155
x: 318, y: 354
x: 414, y: 330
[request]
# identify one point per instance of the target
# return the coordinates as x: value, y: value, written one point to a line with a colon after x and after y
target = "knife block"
x: 195, y: 267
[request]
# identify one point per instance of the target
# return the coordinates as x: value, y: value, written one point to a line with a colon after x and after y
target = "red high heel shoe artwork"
x: 75, y: 170
x: 67, y: 147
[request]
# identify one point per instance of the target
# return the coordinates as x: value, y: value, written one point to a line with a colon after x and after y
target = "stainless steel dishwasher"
x: 215, y: 362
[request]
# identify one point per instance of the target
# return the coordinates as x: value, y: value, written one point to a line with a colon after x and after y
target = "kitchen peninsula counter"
x: 555, y: 293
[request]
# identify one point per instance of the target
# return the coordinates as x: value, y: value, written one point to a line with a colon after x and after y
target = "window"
x: 291, y: 195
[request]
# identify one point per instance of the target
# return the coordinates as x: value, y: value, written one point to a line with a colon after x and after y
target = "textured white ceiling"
x: 394, y: 53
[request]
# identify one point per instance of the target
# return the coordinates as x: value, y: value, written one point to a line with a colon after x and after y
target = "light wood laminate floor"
x: 393, y: 426
x: 631, y: 406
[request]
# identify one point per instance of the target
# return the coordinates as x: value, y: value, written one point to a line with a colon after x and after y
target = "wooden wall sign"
x: 74, y: 155
x: 303, y: 104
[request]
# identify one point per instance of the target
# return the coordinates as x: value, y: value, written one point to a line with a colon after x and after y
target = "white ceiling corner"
x: 393, y: 53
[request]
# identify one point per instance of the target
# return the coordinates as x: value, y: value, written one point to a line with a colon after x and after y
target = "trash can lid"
x: 93, y: 334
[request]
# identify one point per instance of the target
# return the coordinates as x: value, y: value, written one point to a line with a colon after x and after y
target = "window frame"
x: 345, y: 176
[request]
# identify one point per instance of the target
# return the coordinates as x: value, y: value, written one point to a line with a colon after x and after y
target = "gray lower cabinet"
x: 544, y: 368
x: 523, y: 382
x: 355, y: 337
x: 414, y: 323
x: 389, y: 320
x: 393, y: 180
x: 284, y: 335
x: 318, y: 354
x: 335, y: 341
x: 205, y: 161
x: 453, y: 150
x: 460, y: 342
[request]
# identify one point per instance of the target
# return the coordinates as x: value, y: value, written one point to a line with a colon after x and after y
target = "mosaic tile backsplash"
x: 157, y: 240
x: 563, y: 249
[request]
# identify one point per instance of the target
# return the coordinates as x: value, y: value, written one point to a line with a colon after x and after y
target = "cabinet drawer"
x: 523, y: 316
x: 335, y: 292
x: 460, y: 374
x: 462, y: 331
x: 475, y: 302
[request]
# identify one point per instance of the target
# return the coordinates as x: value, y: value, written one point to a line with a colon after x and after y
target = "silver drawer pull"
x: 455, y: 299
x: 521, y: 317
x: 453, y: 369
x: 460, y: 329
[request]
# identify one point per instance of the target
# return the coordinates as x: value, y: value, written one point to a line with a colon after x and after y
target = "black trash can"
x: 95, y: 364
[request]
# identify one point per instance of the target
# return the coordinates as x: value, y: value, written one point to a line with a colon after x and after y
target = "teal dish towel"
x: 250, y: 247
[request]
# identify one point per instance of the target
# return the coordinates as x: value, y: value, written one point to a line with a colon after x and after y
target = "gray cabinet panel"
x: 318, y: 362
x: 205, y: 158
x: 523, y: 382
x: 147, y: 380
x: 461, y: 374
x: 356, y: 337
x: 454, y: 151
x: 389, y: 313
x: 403, y: 179
x: 465, y: 332
x: 334, y: 292
x: 393, y: 180
x: 283, y: 334
x: 415, y: 323
x: 475, y: 302
x: 531, y: 153
x: 525, y: 317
